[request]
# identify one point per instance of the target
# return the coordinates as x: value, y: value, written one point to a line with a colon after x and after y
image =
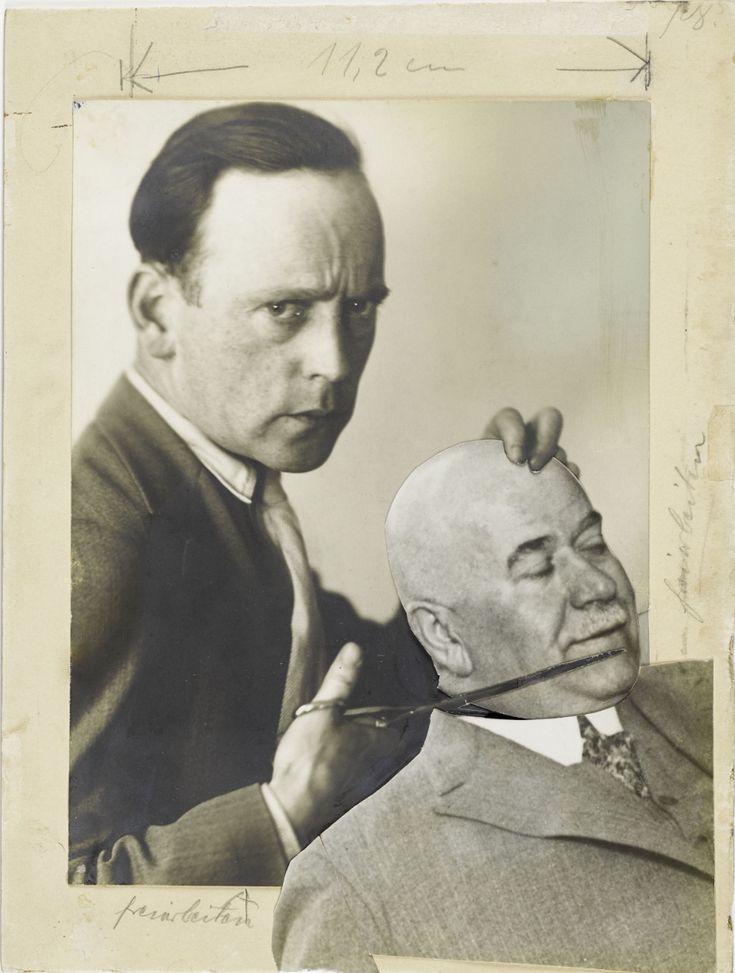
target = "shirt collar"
x: 559, y: 738
x: 236, y: 474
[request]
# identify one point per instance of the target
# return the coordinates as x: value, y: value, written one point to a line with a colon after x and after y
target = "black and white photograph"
x: 368, y: 454
x: 244, y: 676
x: 565, y: 820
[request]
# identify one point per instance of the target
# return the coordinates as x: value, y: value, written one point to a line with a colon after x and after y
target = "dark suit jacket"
x: 483, y: 850
x: 180, y: 641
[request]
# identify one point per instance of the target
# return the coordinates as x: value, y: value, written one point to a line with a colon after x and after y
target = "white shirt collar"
x: 559, y: 738
x: 233, y: 472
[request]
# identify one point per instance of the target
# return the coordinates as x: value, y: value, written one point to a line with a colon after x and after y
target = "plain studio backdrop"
x: 517, y: 258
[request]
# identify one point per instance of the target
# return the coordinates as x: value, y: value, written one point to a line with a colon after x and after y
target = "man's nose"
x: 587, y: 582
x: 325, y: 351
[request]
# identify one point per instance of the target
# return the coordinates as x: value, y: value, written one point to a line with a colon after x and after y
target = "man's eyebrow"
x: 376, y: 293
x: 593, y: 519
x: 529, y: 547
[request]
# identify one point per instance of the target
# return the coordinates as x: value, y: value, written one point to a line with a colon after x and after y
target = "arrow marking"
x: 643, y: 68
x: 134, y: 78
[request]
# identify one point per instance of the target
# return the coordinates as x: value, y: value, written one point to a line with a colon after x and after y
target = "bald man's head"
x: 503, y: 571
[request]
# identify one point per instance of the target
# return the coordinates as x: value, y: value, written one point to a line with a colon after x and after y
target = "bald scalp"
x: 440, y: 523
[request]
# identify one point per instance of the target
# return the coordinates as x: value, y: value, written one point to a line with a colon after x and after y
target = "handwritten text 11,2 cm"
x: 351, y: 62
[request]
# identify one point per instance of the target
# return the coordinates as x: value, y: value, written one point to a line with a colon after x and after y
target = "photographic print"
x: 378, y: 542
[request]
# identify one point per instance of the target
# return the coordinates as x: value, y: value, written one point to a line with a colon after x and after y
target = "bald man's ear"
x: 154, y: 298
x: 433, y: 626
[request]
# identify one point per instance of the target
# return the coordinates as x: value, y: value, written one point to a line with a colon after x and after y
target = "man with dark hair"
x: 197, y: 628
x: 177, y: 189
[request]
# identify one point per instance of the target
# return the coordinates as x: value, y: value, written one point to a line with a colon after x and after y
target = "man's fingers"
x: 342, y: 674
x: 536, y: 441
x: 561, y: 455
x: 508, y: 425
x: 544, y: 430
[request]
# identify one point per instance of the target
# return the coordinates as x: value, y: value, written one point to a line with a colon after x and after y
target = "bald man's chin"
x: 560, y: 701
x: 586, y: 704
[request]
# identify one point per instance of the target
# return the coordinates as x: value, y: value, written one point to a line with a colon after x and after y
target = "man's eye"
x: 594, y: 547
x: 542, y: 571
x: 359, y: 309
x: 287, y: 310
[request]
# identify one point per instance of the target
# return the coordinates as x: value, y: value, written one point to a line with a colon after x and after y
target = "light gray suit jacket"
x: 483, y: 850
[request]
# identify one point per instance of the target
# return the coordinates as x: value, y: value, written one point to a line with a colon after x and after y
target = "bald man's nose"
x: 588, y: 583
x: 324, y: 352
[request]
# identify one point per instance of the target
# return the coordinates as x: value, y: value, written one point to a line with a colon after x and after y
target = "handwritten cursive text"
x: 683, y: 517
x: 235, y: 911
x: 357, y: 60
x: 693, y: 14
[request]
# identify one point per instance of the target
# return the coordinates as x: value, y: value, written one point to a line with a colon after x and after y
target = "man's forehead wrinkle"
x: 559, y: 518
x: 316, y: 281
x: 573, y: 504
x: 469, y: 507
x: 308, y: 231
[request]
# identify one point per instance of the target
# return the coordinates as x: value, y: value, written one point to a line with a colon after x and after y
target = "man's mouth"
x: 604, y: 628
x: 316, y: 413
x: 314, y: 418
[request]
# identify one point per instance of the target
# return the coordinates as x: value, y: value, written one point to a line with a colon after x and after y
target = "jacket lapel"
x: 175, y: 485
x: 502, y: 784
x: 207, y: 537
x: 227, y: 522
x: 676, y: 698
x: 670, y: 715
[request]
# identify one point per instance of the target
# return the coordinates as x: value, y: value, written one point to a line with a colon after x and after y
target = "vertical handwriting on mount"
x: 686, y: 477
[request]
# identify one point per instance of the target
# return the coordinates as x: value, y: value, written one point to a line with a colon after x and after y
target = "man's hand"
x: 322, y: 756
x: 535, y: 441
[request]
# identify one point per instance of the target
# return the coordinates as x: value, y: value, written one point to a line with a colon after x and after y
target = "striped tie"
x: 306, y: 665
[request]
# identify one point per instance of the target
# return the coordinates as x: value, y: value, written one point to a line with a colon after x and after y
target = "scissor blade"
x: 384, y: 715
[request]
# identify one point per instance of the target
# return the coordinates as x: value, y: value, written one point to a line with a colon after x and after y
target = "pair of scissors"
x: 383, y: 716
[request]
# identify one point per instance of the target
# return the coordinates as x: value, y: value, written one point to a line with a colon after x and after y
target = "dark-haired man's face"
x: 268, y: 359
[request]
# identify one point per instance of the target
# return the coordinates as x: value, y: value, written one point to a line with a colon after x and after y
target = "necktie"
x: 306, y: 663
x: 616, y: 754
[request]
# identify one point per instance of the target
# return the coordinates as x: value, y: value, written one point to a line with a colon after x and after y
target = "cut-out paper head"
x: 503, y: 572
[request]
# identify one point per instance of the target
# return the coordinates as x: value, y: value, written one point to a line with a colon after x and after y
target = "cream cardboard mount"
x: 675, y: 59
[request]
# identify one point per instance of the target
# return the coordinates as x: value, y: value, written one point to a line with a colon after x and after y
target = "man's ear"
x: 433, y: 626
x: 153, y: 296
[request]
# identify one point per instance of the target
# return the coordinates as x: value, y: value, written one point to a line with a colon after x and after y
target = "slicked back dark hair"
x: 254, y: 137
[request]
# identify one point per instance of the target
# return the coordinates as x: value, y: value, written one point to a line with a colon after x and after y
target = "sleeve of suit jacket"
x: 227, y: 837
x: 321, y: 922
x: 180, y: 645
x: 215, y: 843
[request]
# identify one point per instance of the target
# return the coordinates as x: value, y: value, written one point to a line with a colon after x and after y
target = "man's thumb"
x: 342, y: 674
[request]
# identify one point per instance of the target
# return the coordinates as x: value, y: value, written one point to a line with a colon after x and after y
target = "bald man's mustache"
x: 598, y: 621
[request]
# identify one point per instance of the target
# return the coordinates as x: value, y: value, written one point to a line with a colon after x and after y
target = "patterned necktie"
x: 616, y: 754
x: 306, y: 664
